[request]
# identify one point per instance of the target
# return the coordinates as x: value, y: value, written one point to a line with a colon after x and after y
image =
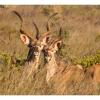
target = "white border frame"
x: 50, y: 2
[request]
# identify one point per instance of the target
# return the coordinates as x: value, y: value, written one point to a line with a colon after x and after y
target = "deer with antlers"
x: 51, y: 57
x: 48, y: 44
x: 37, y: 45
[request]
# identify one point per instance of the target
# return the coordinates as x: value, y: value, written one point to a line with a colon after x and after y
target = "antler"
x: 47, y: 24
x: 22, y: 31
x: 60, y: 33
x: 37, y: 31
x: 19, y: 17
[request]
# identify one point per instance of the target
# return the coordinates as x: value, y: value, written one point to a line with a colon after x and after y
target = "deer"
x: 54, y: 64
x: 36, y: 46
x: 50, y: 52
x: 48, y: 45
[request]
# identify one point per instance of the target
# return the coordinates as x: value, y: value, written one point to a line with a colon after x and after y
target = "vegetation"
x: 81, y: 41
x: 88, y: 61
x: 8, y: 60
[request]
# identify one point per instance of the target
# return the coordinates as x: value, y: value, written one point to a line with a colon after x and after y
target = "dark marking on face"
x: 30, y: 55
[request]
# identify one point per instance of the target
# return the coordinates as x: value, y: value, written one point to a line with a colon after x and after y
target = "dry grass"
x: 81, y: 35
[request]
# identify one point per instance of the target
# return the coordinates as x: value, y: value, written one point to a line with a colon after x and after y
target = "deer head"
x: 50, y: 56
x: 53, y: 47
x: 51, y: 51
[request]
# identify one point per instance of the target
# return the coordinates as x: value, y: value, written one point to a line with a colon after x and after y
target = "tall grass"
x: 81, y: 35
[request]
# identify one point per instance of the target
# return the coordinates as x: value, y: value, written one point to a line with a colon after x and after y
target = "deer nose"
x: 36, y: 53
x: 48, y: 58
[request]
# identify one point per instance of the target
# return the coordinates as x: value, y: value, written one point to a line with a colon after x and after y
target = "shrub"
x: 8, y: 60
x: 87, y: 61
x: 5, y: 58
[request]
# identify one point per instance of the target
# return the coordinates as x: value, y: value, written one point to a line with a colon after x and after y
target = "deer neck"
x: 34, y: 65
x: 37, y: 60
x: 51, y: 68
x: 52, y: 61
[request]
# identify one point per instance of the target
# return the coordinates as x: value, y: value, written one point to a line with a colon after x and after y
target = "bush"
x: 9, y: 60
x: 87, y: 61
x: 5, y: 58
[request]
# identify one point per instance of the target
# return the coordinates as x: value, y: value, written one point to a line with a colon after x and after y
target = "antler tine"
x: 47, y: 25
x: 60, y: 32
x: 37, y: 31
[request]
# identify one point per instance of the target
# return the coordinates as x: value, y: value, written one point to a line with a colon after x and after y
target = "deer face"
x: 35, y: 46
x: 51, y: 50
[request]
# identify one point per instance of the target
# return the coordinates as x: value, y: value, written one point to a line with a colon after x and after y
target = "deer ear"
x: 58, y: 44
x: 46, y: 38
x: 25, y: 39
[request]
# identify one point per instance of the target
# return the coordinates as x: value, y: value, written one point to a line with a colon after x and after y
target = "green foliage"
x: 5, y: 58
x: 87, y: 61
x: 8, y: 60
